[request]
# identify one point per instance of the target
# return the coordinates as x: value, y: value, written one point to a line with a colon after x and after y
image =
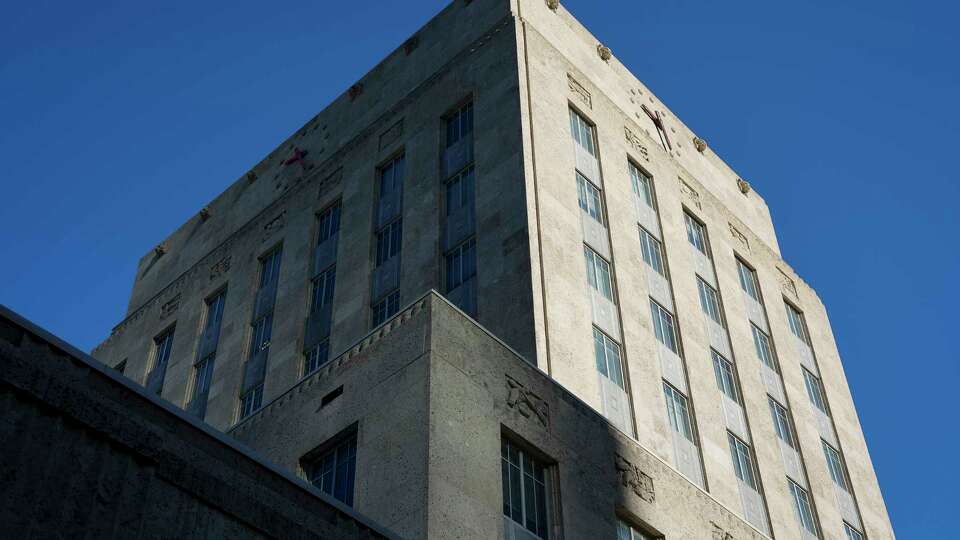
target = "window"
x: 628, y: 532
x: 262, y: 329
x: 582, y: 133
x: 251, y: 401
x: 162, y: 346
x: 322, y: 290
x: 459, y: 124
x: 333, y: 471
x: 607, y: 353
x: 781, y: 423
x: 835, y: 464
x: 710, y: 301
x: 328, y: 223
x: 815, y: 390
x: 642, y: 185
x: 677, y: 412
x: 598, y: 273
x: 748, y: 280
x: 801, y: 503
x: 663, y: 327
x: 202, y: 376
x: 524, y: 485
x: 696, y: 233
x: 269, y: 267
x: 121, y: 367
x: 215, y: 310
x: 461, y: 264
x: 742, y: 461
x: 723, y: 369
x: 460, y: 191
x: 764, y: 348
x: 386, y: 308
x: 652, y: 251
x: 391, y: 177
x: 797, y: 325
x: 852, y: 534
x: 590, y: 199
x: 388, y: 241
x: 316, y: 357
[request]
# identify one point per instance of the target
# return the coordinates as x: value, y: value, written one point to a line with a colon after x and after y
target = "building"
x: 503, y: 156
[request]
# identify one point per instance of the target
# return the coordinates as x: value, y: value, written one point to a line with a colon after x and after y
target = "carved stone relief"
x: 330, y: 182
x: 743, y: 185
x: 170, y: 306
x: 700, y: 144
x: 739, y: 236
x: 391, y: 135
x: 631, y: 476
x: 220, y: 268
x: 605, y: 53
x: 719, y: 533
x: 274, y: 225
x: 689, y: 193
x: 579, y: 91
x: 787, y: 283
x: 634, y: 141
x: 526, y: 402
x: 355, y: 91
x: 553, y: 4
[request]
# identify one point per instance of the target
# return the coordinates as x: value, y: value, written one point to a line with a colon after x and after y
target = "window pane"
x: 641, y: 185
x: 764, y: 349
x: 696, y: 234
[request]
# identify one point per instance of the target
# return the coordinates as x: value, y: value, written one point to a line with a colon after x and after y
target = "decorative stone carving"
x: 526, y: 402
x: 170, y: 306
x: 354, y: 92
x: 739, y: 236
x: 579, y: 91
x: 220, y: 268
x: 700, y: 144
x: 330, y: 182
x: 631, y: 476
x: 160, y: 250
x: 634, y: 140
x: 205, y: 213
x: 743, y: 185
x: 787, y: 283
x: 391, y: 135
x: 251, y: 177
x: 719, y: 533
x: 553, y: 4
x: 689, y: 193
x: 411, y: 45
x: 274, y: 224
x: 605, y: 53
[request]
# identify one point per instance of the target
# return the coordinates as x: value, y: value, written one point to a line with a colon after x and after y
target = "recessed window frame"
x: 322, y: 288
x: 460, y: 264
x: 852, y: 532
x: 665, y: 326
x: 744, y: 464
x: 328, y: 222
x: 697, y: 233
x: 726, y: 375
x: 797, y: 322
x: 641, y: 183
x: 782, y: 423
x: 388, y: 242
x: 679, y: 412
x: 316, y: 357
x: 390, y: 176
x: 251, y: 401
x: 710, y: 301
x: 599, y: 273
x: 763, y: 345
x: 651, y: 248
x: 583, y: 132
x: 516, y: 459
x: 835, y: 465
x: 590, y: 198
x: 270, y: 266
x: 803, y: 508
x: 749, y: 281
x: 460, y: 190
x: 332, y: 466
x: 609, y: 357
x: 385, y: 308
x: 815, y: 391
x: 459, y: 123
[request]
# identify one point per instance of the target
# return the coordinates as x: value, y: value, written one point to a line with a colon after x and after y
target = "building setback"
x: 618, y: 269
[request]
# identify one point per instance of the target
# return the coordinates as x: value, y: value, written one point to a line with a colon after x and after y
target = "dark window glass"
x: 523, y: 479
x: 333, y: 472
x: 269, y: 267
x: 460, y: 191
x: 642, y: 185
x: 388, y: 241
x: 161, y: 357
x: 607, y: 354
x: 328, y: 223
x: 710, y: 301
x: 663, y: 327
x: 386, y: 308
x: 696, y: 234
x: 591, y: 201
x: 391, y: 177
x: 582, y: 132
x: 652, y: 251
x: 316, y: 357
x: 251, y: 401
x: 323, y: 286
x: 461, y: 264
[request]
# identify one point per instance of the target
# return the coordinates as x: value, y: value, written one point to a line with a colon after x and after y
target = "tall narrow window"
x: 652, y: 251
x: 202, y: 376
x: 316, y: 357
x: 815, y: 390
x: 663, y: 327
x: 598, y: 273
x: 524, y: 483
x: 678, y: 413
x: 642, y: 185
x: 742, y: 461
x: 391, y: 177
x: 386, y: 308
x: 696, y: 234
x: 761, y: 342
x: 460, y: 191
x: 590, y: 199
x: 582, y: 132
x: 607, y: 352
x: 328, y: 223
x: 723, y: 369
x: 852, y: 533
x: 710, y: 301
x: 215, y: 310
x: 250, y: 402
x: 835, y: 464
x: 625, y: 531
x: 459, y: 124
x: 748, y: 280
x: 161, y: 357
x: 797, y: 324
x: 781, y: 423
x: 803, y: 508
x: 262, y: 329
x: 388, y: 241
x: 270, y: 267
x: 461, y: 264
x: 322, y: 289
x: 333, y: 472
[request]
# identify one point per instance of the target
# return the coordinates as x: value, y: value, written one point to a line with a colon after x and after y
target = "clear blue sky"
x: 120, y: 121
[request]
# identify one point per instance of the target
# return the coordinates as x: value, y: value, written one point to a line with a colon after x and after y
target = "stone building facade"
x: 503, y: 156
